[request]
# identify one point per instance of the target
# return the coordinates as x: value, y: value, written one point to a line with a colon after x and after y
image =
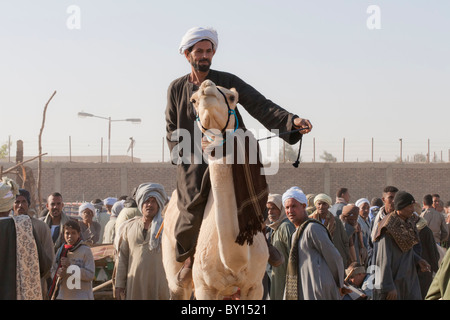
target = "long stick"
x: 23, y: 162
x: 56, y: 288
x: 160, y: 230
x: 40, y: 151
x: 101, y: 286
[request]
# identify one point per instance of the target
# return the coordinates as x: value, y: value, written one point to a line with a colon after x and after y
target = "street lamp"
x: 132, y: 120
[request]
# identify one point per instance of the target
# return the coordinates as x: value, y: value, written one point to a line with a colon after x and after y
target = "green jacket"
x: 439, y: 288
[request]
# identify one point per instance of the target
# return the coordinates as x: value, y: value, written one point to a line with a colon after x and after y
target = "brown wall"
x: 86, y: 181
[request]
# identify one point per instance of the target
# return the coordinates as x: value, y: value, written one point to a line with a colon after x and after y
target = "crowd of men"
x: 390, y: 247
x: 387, y: 248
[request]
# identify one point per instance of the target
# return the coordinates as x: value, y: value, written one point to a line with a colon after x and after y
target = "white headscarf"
x: 116, y: 208
x: 9, y: 189
x: 361, y: 201
x: 197, y: 34
x: 109, y: 201
x: 145, y: 191
x: 295, y: 193
x: 84, y: 206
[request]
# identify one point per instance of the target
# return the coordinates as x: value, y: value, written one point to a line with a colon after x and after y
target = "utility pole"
x: 372, y: 149
x: 343, y: 150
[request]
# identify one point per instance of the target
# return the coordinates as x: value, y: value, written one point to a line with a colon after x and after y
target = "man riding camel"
x: 198, y: 46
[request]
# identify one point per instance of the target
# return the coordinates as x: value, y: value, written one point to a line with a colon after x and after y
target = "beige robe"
x: 436, y: 222
x: 44, y: 236
x: 140, y: 270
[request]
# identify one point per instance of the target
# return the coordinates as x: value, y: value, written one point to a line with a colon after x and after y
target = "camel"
x: 221, y: 266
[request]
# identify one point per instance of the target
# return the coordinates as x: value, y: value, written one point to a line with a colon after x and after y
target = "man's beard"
x: 203, y: 67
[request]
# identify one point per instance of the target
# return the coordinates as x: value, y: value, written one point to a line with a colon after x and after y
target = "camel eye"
x: 232, y: 98
x: 193, y: 101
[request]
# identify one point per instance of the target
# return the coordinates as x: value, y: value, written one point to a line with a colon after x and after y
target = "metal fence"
x: 314, y: 149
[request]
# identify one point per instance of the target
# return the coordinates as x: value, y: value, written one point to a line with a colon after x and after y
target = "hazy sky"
x: 318, y: 59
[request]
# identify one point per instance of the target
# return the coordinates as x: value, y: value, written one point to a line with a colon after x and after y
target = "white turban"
x: 197, y: 34
x: 361, y: 201
x: 109, y: 201
x: 295, y: 193
x: 84, y: 206
x: 9, y: 189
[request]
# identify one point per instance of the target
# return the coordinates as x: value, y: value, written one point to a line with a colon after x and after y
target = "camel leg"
x: 180, y: 293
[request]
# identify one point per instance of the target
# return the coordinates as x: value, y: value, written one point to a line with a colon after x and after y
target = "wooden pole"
x: 101, y: 150
x: 314, y: 149
x: 343, y: 150
x: 103, y: 285
x: 70, y: 149
x: 40, y: 152
x: 372, y: 149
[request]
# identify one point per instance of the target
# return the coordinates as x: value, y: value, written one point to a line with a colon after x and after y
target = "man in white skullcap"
x: 90, y: 229
x: 364, y: 222
x: 109, y: 202
x: 280, y: 231
x: 322, y: 203
x: 315, y: 269
x: 199, y: 45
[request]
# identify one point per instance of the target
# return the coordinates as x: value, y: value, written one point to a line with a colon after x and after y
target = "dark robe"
x: 8, y: 258
x: 431, y: 255
x: 193, y: 183
x: 396, y: 259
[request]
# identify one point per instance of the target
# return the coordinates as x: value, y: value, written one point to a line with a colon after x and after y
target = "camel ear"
x: 236, y: 95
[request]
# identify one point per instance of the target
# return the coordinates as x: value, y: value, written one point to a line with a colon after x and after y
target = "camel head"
x: 214, y: 112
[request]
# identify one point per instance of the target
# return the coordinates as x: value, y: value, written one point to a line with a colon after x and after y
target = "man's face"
x: 406, y: 212
x: 273, y: 213
x: 364, y: 210
x: 357, y: 279
x: 351, y: 220
x: 388, y: 200
x: 295, y: 211
x: 322, y: 207
x: 71, y: 236
x: 87, y: 216
x: 201, y: 56
x: 436, y: 202
x: 21, y: 205
x: 55, y: 206
x: 150, y: 208
x: 346, y: 197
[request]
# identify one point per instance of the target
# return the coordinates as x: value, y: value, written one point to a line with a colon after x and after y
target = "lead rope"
x: 297, y: 162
